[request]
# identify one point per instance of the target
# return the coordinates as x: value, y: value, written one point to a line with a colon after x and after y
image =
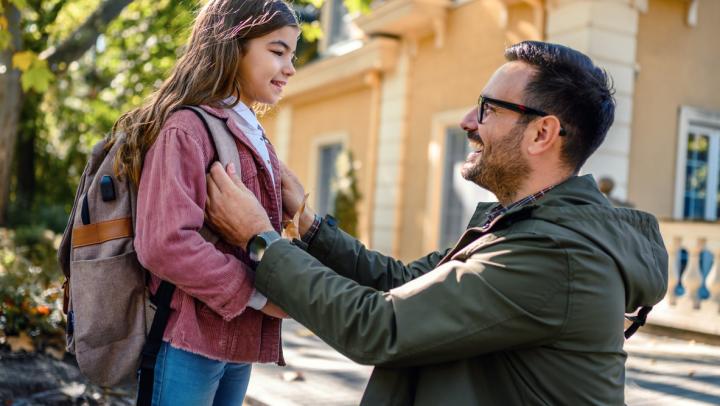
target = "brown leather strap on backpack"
x: 100, y: 232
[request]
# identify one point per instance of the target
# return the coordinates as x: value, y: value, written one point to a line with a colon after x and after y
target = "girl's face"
x: 267, y: 66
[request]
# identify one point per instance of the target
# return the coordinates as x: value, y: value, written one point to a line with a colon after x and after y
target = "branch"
x: 85, y: 36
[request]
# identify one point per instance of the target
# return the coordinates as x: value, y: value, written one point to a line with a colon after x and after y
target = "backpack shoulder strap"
x: 223, y: 140
x: 146, y: 371
x: 637, y: 321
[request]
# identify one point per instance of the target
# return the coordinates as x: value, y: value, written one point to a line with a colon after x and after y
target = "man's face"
x: 497, y: 162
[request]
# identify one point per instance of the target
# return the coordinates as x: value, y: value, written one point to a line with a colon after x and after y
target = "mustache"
x: 474, y: 136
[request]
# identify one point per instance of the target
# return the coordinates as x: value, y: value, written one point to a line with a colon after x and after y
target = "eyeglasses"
x: 484, y: 101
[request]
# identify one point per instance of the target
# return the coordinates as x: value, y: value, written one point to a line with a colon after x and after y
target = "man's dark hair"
x: 568, y: 85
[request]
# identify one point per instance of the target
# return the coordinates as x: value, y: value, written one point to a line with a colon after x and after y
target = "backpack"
x: 114, y: 324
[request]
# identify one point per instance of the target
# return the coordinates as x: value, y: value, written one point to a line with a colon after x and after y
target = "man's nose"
x: 469, y: 122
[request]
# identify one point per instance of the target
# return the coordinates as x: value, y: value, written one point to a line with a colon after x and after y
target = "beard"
x: 500, y: 168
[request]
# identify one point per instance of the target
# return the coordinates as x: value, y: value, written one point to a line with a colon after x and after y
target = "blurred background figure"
x: 606, y: 185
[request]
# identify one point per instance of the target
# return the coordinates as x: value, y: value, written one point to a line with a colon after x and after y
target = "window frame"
x: 690, y: 120
x: 441, y: 122
x: 318, y: 142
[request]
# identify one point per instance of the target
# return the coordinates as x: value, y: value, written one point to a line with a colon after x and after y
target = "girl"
x: 240, y: 55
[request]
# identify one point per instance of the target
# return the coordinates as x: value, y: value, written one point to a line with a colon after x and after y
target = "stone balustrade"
x: 693, y: 298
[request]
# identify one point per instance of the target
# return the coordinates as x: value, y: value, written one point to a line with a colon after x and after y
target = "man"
x: 527, y: 308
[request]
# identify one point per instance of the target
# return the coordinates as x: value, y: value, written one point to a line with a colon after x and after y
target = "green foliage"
x: 311, y: 31
x: 357, y: 6
x: 19, y: 3
x: 5, y: 38
x: 347, y: 193
x: 30, y: 294
x: 37, y: 77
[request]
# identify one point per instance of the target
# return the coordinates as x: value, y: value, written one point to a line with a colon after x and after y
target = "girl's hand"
x: 272, y: 310
x: 293, y: 195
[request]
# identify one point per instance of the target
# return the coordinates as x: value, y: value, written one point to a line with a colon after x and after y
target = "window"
x: 326, y: 175
x: 459, y: 196
x: 698, y: 172
x: 341, y: 34
x: 338, y: 25
x: 701, y: 180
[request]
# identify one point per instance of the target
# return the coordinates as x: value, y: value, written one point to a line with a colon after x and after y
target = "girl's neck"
x: 247, y: 102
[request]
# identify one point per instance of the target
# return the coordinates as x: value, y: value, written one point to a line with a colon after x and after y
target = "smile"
x: 476, y: 147
x: 279, y: 84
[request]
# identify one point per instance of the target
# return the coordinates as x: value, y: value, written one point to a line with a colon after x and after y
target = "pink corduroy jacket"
x: 209, y: 314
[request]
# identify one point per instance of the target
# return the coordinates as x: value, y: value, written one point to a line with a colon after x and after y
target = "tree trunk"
x: 11, y: 101
x: 25, y: 158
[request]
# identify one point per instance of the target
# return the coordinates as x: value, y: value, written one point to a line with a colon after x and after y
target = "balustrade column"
x: 692, y: 278
x: 713, y: 280
x: 673, y: 268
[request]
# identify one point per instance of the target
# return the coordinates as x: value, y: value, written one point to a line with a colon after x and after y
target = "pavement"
x: 315, y: 374
x: 660, y: 371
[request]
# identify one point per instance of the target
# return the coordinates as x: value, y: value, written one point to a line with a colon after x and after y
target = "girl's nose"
x: 289, y: 69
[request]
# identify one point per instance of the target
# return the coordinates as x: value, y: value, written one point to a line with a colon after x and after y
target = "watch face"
x: 259, y: 243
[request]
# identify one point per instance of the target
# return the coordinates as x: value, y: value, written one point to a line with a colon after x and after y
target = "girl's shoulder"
x: 186, y: 120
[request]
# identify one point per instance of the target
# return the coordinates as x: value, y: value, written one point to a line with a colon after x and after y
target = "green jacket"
x: 529, y: 312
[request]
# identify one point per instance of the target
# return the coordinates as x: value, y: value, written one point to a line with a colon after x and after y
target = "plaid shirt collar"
x: 500, y: 210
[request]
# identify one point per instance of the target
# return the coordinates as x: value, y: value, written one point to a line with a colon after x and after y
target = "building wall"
x: 678, y: 65
x: 447, y: 79
x: 340, y: 117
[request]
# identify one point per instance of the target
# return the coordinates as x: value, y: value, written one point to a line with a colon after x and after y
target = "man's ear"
x: 546, y: 135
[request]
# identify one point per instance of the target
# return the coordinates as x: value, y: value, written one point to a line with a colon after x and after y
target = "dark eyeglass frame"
x: 518, y: 108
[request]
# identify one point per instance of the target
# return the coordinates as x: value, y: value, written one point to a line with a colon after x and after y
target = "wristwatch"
x: 259, y: 243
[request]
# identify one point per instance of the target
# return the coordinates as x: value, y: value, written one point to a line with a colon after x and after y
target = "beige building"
x: 393, y: 84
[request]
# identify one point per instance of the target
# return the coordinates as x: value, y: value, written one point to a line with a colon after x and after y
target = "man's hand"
x: 293, y: 194
x: 232, y: 209
x: 272, y: 310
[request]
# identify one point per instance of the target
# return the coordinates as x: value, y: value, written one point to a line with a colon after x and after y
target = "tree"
x: 347, y: 193
x: 29, y: 62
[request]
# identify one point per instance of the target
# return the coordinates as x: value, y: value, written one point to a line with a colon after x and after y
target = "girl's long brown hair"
x: 207, y: 72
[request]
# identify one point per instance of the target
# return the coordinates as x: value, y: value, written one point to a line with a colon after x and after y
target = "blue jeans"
x: 184, y: 378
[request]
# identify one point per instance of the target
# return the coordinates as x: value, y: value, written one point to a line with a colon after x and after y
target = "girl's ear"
x: 546, y: 134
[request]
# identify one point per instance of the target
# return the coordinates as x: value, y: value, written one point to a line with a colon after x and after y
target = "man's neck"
x: 532, y: 186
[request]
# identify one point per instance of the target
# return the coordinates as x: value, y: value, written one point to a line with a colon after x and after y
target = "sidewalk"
x: 666, y: 371
x: 660, y: 371
x: 315, y: 374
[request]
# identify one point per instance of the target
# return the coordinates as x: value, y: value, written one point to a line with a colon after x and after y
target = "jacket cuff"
x: 321, y: 246
x: 272, y: 259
